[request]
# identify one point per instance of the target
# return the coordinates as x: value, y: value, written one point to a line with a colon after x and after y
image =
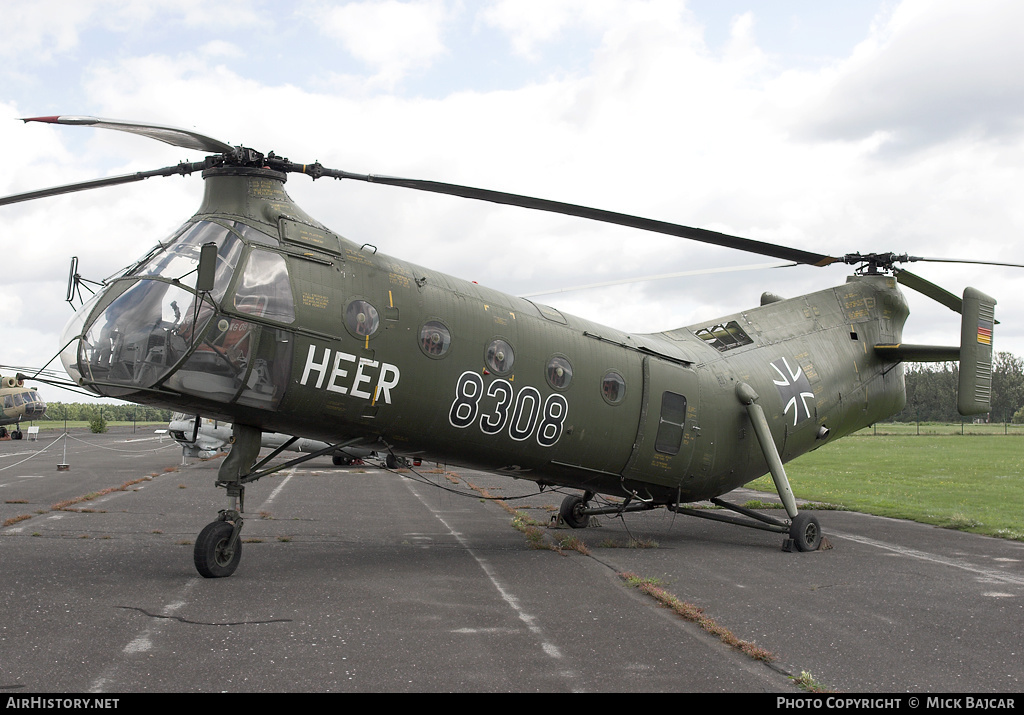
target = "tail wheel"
x: 214, y: 557
x: 805, y: 532
x: 572, y: 512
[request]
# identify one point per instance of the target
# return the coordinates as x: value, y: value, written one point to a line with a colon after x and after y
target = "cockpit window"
x: 265, y: 290
x: 180, y: 258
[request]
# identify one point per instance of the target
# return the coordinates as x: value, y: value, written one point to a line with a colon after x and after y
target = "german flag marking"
x: 985, y: 333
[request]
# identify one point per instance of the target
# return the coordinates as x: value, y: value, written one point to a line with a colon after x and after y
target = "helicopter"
x: 18, y: 403
x: 205, y: 437
x: 254, y: 313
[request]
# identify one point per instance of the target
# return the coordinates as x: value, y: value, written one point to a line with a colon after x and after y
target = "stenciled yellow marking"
x: 391, y: 299
x: 367, y: 342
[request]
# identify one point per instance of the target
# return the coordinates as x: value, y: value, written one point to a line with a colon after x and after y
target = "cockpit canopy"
x: 150, y: 329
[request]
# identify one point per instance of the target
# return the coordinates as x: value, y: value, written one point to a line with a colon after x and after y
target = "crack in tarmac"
x: 203, y: 623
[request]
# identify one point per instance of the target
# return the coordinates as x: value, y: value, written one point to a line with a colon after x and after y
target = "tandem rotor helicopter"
x: 256, y: 314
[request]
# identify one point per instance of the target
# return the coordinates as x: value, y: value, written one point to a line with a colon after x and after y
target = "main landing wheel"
x: 805, y: 532
x: 571, y: 512
x: 213, y: 555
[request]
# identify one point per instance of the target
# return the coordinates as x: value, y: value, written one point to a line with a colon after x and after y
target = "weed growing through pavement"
x: 806, y: 681
x: 695, y: 614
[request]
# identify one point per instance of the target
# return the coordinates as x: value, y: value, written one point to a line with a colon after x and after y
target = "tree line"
x: 932, y: 388
x: 87, y: 412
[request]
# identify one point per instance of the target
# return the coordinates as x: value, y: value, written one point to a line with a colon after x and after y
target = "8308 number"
x: 522, y: 414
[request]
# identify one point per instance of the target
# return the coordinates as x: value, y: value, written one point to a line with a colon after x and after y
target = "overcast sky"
x: 836, y: 127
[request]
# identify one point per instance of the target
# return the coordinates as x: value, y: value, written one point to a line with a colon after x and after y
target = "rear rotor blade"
x: 169, y: 135
x: 499, y: 197
x: 937, y: 293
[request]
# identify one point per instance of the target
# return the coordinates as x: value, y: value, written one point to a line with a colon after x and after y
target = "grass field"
x: 973, y: 482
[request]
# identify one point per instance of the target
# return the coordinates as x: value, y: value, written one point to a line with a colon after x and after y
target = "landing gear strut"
x: 218, y: 547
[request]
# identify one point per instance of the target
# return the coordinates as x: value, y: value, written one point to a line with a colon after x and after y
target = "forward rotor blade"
x: 911, y: 259
x: 771, y: 250
x: 183, y: 168
x: 937, y: 293
x: 641, y: 279
x: 169, y: 135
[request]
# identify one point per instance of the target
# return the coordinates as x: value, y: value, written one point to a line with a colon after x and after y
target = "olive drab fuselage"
x: 310, y: 334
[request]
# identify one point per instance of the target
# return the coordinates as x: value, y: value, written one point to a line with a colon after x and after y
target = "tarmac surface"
x: 358, y: 579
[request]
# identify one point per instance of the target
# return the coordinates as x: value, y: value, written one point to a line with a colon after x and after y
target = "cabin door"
x: 668, y: 430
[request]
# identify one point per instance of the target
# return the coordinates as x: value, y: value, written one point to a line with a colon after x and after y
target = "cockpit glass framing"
x: 237, y: 359
x: 179, y: 259
x: 152, y: 331
x: 141, y: 335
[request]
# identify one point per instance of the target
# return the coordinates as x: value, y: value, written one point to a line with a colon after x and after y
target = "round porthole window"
x: 613, y: 388
x: 559, y: 372
x: 361, y: 318
x: 435, y: 338
x: 499, y: 357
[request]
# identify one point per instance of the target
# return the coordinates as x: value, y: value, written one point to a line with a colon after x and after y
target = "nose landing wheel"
x: 218, y: 548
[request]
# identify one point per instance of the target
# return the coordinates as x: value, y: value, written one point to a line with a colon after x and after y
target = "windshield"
x: 142, y: 334
x: 179, y: 260
x: 152, y: 330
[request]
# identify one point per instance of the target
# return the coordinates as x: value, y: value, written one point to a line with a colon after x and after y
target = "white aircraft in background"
x: 210, y: 437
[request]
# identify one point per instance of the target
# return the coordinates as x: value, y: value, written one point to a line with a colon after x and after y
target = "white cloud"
x: 41, y: 30
x: 931, y: 71
x: 394, y: 38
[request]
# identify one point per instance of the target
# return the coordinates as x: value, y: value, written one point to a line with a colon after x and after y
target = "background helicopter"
x: 254, y: 312
x: 18, y: 403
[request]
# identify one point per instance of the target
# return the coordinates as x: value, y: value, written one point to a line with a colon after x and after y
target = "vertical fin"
x: 974, y: 393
